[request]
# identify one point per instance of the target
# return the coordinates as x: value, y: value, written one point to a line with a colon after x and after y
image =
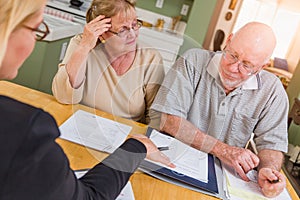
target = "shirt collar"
x: 253, y: 82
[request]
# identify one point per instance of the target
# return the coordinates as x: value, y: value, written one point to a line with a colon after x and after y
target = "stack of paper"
x: 239, y: 189
x: 188, y: 160
x: 93, y: 131
x: 194, y: 169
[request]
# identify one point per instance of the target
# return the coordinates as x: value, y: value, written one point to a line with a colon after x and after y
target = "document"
x: 126, y: 193
x: 188, y: 160
x: 239, y: 189
x: 93, y: 131
x: 194, y: 169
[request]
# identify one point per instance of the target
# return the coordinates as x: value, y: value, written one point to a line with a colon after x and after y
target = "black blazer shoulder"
x: 33, y: 160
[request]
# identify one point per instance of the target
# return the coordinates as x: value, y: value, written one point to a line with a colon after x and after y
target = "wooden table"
x: 80, y: 157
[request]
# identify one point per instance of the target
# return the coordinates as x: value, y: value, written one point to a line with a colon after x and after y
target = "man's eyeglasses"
x: 125, y: 30
x: 247, y: 69
x: 41, y: 32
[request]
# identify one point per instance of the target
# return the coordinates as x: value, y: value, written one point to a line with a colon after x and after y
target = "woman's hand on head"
x: 93, y: 30
x: 152, y: 152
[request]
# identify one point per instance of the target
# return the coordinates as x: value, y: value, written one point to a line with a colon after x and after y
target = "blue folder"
x: 211, y: 186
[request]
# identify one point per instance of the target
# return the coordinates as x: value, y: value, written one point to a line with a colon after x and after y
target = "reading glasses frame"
x: 244, y: 68
x: 123, y: 33
x: 40, y: 34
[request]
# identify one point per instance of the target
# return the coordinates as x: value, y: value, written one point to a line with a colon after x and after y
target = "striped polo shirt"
x: 192, y: 89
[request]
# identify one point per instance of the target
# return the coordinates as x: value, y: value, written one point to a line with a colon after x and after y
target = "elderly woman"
x: 106, y: 68
x: 33, y: 165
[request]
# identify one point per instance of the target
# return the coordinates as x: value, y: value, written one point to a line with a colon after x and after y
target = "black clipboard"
x: 211, y: 186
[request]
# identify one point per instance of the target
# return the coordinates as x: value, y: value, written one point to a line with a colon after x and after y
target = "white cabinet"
x: 166, y: 43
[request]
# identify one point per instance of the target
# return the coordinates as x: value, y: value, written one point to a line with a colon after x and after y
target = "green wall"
x: 39, y: 69
x: 171, y: 8
x: 197, y: 20
x: 198, y: 23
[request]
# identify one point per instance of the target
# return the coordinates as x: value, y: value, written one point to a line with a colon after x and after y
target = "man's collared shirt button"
x: 223, y: 104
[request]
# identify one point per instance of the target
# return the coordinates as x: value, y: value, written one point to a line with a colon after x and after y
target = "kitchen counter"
x: 167, y: 43
x: 164, y: 34
x: 63, y: 21
x: 60, y: 28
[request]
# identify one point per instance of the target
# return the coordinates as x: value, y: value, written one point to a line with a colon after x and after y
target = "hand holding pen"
x: 271, y: 182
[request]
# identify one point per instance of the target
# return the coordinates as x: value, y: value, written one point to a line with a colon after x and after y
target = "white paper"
x: 243, y: 190
x: 126, y: 193
x: 93, y: 131
x: 189, y: 161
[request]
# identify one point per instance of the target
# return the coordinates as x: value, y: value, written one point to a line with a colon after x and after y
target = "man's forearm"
x: 270, y: 159
x: 187, y: 133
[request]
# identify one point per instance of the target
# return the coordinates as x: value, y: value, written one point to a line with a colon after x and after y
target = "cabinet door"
x: 30, y: 72
x: 167, y: 44
x: 38, y: 70
x: 53, y: 56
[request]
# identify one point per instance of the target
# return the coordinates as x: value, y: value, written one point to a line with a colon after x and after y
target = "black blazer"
x: 33, y: 166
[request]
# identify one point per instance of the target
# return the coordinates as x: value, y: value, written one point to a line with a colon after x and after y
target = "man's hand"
x: 268, y: 172
x: 271, y: 182
x: 152, y: 152
x: 242, y: 160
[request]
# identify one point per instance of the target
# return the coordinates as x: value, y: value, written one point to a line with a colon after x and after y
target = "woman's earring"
x: 102, y: 40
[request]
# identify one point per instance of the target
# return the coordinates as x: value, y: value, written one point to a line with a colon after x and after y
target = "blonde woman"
x: 33, y: 165
x: 107, y: 68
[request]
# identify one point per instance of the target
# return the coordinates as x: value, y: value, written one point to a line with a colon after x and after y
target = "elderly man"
x: 215, y: 101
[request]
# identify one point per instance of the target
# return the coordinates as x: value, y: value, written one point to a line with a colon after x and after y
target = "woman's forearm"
x: 76, y: 66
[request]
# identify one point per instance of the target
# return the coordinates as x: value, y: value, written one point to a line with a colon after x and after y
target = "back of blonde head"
x: 13, y: 14
x: 109, y: 8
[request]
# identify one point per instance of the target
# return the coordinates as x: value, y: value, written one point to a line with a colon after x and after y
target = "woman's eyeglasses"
x: 125, y: 30
x: 41, y: 32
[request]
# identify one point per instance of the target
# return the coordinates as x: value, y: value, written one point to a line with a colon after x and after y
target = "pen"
x: 163, y: 148
x: 274, y: 181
